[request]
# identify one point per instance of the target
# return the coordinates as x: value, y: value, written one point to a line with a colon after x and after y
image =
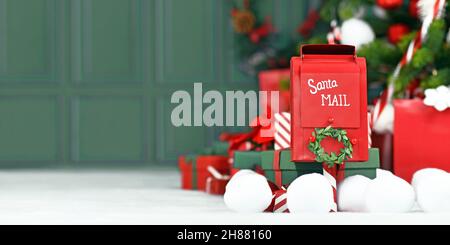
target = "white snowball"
x: 433, y: 194
x: 248, y: 193
x: 424, y: 174
x: 356, y: 32
x: 310, y: 193
x: 351, y: 193
x: 381, y: 173
x: 389, y: 195
x: 239, y: 174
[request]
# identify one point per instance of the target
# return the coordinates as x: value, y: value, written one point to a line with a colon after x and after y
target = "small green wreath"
x: 321, y: 156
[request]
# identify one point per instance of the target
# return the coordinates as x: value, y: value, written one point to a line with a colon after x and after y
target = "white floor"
x: 144, y: 197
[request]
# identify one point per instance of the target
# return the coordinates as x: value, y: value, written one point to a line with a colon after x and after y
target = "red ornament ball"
x: 312, y: 139
x: 396, y: 32
x: 389, y: 4
x: 412, y: 8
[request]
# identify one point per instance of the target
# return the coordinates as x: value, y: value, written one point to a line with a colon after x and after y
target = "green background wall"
x: 88, y: 82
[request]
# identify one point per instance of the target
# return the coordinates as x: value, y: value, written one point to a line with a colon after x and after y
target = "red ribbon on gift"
x: 251, y: 140
x: 276, y: 168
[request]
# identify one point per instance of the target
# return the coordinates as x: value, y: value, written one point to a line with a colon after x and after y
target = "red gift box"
x: 275, y: 80
x: 217, y: 182
x: 329, y: 88
x: 185, y: 165
x: 384, y: 142
x: 216, y: 186
x: 194, y: 171
x: 421, y: 138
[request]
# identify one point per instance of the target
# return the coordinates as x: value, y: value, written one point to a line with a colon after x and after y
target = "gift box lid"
x: 246, y: 159
x: 373, y: 162
x: 201, y: 162
x: 285, y: 162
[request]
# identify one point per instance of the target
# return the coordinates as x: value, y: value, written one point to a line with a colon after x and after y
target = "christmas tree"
x: 406, y: 43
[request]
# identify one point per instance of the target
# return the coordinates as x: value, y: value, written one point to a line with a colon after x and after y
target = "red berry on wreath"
x: 396, y: 32
x: 354, y: 141
x: 389, y: 4
x: 331, y: 120
x: 312, y: 139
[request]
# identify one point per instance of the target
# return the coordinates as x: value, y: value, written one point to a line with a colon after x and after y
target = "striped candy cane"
x: 282, y: 135
x: 331, y: 175
x: 383, y: 117
x: 334, y: 36
x: 280, y: 204
x: 370, y: 129
x: 334, y: 175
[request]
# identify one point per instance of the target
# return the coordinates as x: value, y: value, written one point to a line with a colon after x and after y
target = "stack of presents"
x: 325, y: 88
x: 278, y: 157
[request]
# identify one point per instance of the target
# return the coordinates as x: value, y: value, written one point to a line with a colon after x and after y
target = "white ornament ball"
x: 356, y: 32
x: 310, y: 193
x: 424, y: 174
x: 433, y: 194
x: 237, y: 175
x: 248, y: 193
x: 389, y: 195
x: 351, y: 193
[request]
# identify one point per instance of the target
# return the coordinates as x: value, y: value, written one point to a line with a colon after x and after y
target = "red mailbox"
x: 329, y: 88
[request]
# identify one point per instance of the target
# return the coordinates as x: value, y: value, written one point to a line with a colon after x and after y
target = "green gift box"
x: 368, y: 169
x: 285, y: 171
x: 246, y: 160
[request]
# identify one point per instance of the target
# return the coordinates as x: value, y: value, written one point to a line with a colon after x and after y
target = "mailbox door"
x: 329, y: 91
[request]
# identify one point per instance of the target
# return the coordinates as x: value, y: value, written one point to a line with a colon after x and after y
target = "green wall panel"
x: 29, y: 129
x: 185, y: 41
x: 27, y: 41
x: 88, y: 82
x: 172, y: 141
x: 106, y: 41
x: 107, y: 129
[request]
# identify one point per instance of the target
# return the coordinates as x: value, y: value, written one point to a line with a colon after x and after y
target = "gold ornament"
x: 243, y: 21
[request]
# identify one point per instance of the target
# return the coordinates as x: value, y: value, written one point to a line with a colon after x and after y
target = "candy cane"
x: 334, y: 36
x: 334, y: 175
x: 369, y: 130
x: 280, y: 202
x: 331, y: 175
x: 282, y: 135
x: 429, y: 10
